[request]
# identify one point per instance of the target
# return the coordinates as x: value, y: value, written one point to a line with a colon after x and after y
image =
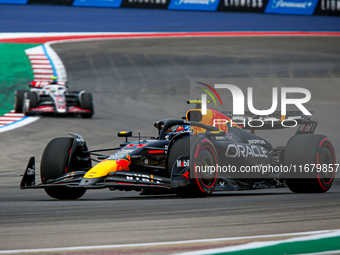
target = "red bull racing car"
x: 53, y: 98
x: 169, y: 162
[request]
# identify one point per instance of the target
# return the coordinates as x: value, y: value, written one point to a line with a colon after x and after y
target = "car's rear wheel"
x: 202, y: 153
x: 54, y: 164
x: 19, y: 100
x: 315, y: 154
x: 87, y: 104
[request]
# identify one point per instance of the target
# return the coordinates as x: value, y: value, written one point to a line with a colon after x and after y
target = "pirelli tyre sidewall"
x: 203, y: 154
x: 186, y: 147
x: 308, y: 150
x: 54, y: 164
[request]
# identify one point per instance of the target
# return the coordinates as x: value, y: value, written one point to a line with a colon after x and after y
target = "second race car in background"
x: 53, y: 98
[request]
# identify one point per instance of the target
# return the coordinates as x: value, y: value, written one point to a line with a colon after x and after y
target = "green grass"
x: 298, y: 247
x: 15, y: 72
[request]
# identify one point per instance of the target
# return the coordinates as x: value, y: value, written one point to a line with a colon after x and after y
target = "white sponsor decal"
x: 307, y: 127
x: 31, y: 171
x: 283, y: 4
x: 330, y: 5
x: 143, y: 177
x: 120, y: 154
x: 80, y: 140
x: 183, y: 163
x: 203, y: 2
x: 239, y: 150
x: 256, y: 141
x: 148, y: 1
x: 244, y: 3
x: 220, y: 138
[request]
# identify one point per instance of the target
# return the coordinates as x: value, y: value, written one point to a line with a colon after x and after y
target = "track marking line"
x: 16, y: 123
x: 48, y: 37
x: 163, y: 243
x: 256, y: 245
x: 321, y: 253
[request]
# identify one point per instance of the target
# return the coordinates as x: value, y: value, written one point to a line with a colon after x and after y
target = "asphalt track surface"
x: 134, y: 82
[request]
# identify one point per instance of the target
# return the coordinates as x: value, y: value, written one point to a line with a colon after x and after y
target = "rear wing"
x: 253, y: 122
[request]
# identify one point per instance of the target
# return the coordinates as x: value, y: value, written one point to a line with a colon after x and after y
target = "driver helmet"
x: 180, y: 129
x: 54, y: 80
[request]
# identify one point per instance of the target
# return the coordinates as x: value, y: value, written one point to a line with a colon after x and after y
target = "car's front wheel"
x: 54, y: 164
x: 19, y: 100
x: 203, y: 156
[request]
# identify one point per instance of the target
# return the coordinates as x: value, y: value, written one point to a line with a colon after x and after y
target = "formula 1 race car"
x: 52, y: 97
x: 168, y: 163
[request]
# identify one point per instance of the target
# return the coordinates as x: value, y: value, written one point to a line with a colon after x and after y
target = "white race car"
x: 53, y: 97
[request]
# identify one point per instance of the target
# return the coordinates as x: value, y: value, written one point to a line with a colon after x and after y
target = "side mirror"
x: 124, y: 134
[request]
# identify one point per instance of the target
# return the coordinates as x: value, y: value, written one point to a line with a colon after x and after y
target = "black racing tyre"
x: 304, y: 150
x: 202, y: 153
x: 87, y: 103
x: 33, y: 99
x: 53, y: 165
x: 181, y: 147
x: 19, y: 100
